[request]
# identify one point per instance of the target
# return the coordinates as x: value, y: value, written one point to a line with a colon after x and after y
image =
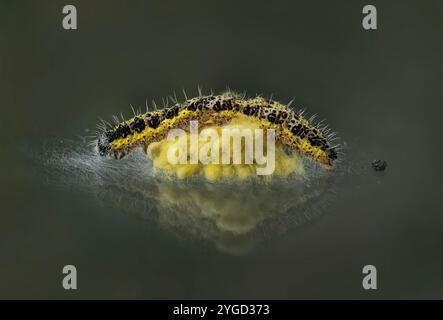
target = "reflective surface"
x: 133, y: 236
x: 231, y: 214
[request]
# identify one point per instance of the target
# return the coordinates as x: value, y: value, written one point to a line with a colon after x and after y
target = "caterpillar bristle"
x: 165, y: 103
x: 133, y: 111
x: 184, y: 94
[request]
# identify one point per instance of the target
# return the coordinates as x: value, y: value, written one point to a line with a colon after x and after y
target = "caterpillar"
x: 292, y: 128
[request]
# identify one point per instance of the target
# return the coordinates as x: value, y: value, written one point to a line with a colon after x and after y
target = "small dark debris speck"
x: 379, y: 165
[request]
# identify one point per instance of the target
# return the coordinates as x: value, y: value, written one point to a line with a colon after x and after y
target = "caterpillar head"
x: 103, y: 144
x: 104, y: 147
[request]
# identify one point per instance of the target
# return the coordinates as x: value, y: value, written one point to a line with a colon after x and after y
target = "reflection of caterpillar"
x: 292, y: 129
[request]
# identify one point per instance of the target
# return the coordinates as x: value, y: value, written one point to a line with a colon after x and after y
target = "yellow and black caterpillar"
x: 292, y: 129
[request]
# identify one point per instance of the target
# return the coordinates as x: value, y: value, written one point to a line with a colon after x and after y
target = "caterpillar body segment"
x: 292, y: 129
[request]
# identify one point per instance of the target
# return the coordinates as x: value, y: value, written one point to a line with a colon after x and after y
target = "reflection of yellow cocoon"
x: 285, y: 164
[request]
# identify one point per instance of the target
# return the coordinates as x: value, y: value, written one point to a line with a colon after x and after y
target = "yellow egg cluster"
x: 285, y: 164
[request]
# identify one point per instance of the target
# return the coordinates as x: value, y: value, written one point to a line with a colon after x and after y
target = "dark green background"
x: 381, y: 90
